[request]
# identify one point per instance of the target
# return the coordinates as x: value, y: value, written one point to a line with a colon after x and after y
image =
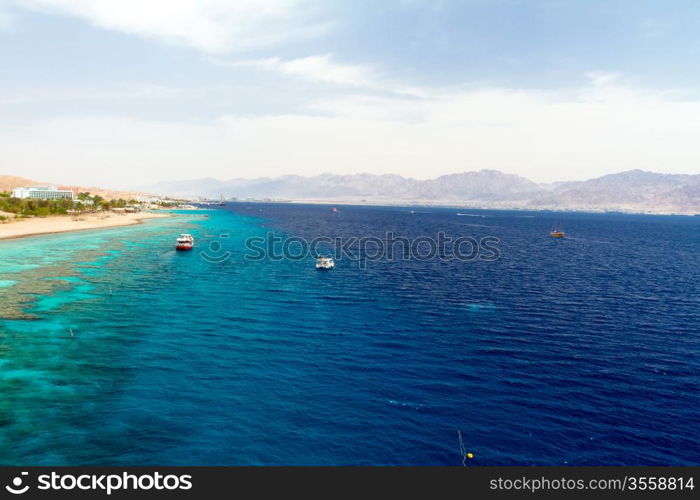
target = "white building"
x: 43, y: 193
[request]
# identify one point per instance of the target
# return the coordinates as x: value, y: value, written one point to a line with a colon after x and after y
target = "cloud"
x: 324, y: 69
x: 600, y: 127
x: 212, y: 26
x: 318, y: 68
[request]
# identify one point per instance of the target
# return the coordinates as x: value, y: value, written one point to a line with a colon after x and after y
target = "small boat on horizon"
x: 556, y: 233
x: 184, y: 242
x: 325, y: 263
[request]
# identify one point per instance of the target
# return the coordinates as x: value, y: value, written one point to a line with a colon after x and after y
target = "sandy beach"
x: 21, y: 228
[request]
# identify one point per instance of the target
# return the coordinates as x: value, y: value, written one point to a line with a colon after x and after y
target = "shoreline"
x: 466, y: 206
x: 38, y: 226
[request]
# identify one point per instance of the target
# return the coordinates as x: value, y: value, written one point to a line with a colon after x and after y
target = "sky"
x: 127, y: 93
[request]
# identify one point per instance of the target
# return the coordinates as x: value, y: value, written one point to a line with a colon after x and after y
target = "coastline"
x: 629, y: 210
x: 26, y: 228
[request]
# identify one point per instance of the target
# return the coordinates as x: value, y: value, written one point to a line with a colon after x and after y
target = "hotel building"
x: 43, y: 193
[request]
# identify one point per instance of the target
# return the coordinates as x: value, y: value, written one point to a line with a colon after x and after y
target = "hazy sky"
x: 130, y: 92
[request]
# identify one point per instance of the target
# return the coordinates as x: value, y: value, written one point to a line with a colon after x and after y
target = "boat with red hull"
x: 184, y: 242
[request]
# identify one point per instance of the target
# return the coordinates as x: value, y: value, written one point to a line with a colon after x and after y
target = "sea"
x: 117, y: 350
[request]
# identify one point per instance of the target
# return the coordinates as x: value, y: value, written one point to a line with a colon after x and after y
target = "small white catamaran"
x: 325, y: 263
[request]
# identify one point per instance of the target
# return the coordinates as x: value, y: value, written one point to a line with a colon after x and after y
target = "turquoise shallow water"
x: 127, y: 352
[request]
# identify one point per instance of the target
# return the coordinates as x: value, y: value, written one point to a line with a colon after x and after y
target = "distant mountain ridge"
x: 9, y: 182
x: 481, y: 185
x: 633, y: 190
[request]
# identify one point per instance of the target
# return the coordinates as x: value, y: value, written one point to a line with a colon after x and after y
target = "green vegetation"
x: 84, y: 203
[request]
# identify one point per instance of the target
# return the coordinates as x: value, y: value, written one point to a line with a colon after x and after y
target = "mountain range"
x: 630, y: 191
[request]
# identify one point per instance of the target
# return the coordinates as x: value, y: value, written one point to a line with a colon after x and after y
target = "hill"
x: 633, y: 190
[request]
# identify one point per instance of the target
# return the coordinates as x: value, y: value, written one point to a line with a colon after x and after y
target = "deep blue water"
x: 582, y: 351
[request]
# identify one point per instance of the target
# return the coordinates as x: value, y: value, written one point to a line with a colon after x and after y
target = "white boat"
x: 185, y: 242
x: 325, y: 263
